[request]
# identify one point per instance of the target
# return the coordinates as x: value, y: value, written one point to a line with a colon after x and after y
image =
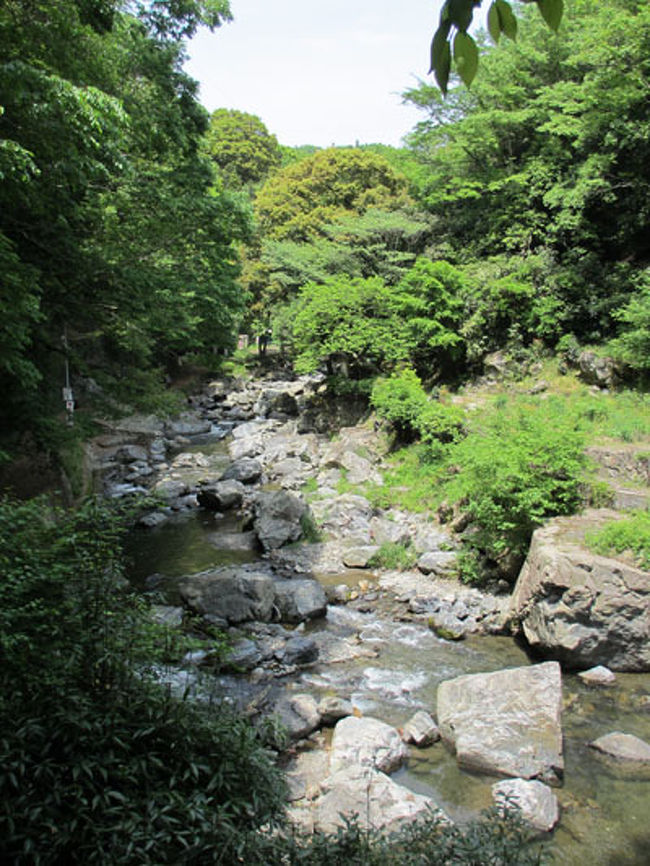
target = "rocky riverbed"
x: 261, y: 531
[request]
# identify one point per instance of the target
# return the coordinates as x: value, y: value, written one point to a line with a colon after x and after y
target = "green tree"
x: 547, y: 156
x: 110, y: 224
x: 299, y: 200
x: 347, y: 320
x: 429, y: 301
x: 241, y: 147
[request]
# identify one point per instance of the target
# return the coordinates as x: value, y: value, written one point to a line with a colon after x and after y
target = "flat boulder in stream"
x: 232, y: 594
x: 506, y: 722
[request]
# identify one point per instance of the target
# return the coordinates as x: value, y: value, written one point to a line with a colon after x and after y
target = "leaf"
x: 494, y: 23
x: 507, y: 19
x: 460, y: 13
x: 551, y: 12
x: 466, y: 57
x: 441, y: 57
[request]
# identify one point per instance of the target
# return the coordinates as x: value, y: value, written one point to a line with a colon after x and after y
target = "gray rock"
x: 378, y: 801
x: 421, y: 730
x: 300, y: 650
x: 221, y: 495
x: 278, y: 518
x: 359, y: 470
x: 534, y: 800
x: 332, y: 709
x: 170, y: 489
x: 300, y: 599
x: 625, y: 747
x: 597, y: 370
x: 153, y: 519
x: 165, y: 614
x: 247, y: 470
x: 347, y: 516
x: 448, y: 626
x: 385, y: 531
x: 231, y: 594
x: 188, y: 425
x: 244, y: 654
x: 440, y: 562
x: 581, y: 608
x: 298, y: 715
x: 359, y: 557
x: 274, y: 403
x: 368, y: 742
x: 132, y: 453
x: 506, y: 722
x: 598, y: 676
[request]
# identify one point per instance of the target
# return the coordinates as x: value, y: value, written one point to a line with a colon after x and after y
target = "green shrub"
x: 98, y: 762
x: 311, y: 531
x: 631, y: 534
x: 393, y: 555
x: 441, y: 423
x: 404, y: 404
x: 518, y: 471
x: 632, y: 346
x: 492, y: 840
x: 400, y: 400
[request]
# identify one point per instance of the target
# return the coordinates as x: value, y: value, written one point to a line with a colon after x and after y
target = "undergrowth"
x: 630, y: 534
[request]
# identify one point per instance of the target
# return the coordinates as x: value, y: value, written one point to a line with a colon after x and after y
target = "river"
x: 605, y: 806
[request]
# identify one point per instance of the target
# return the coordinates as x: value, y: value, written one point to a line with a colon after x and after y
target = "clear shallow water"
x: 605, y: 806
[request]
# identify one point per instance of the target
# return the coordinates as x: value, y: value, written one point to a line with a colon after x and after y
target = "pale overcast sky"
x: 322, y: 73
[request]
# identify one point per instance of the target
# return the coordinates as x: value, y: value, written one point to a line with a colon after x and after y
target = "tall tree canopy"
x: 303, y: 197
x: 110, y: 228
x: 241, y: 146
x: 547, y: 158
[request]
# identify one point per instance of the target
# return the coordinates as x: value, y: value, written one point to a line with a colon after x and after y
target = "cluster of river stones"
x: 589, y: 612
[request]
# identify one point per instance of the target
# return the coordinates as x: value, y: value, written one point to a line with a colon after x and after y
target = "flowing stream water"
x: 605, y: 806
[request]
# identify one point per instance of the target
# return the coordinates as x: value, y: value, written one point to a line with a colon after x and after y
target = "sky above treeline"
x: 323, y: 73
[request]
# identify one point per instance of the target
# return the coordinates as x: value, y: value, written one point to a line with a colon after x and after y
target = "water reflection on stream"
x: 605, y: 807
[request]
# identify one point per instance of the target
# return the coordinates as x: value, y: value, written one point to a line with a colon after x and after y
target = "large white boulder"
x: 377, y: 800
x: 506, y: 722
x: 368, y: 742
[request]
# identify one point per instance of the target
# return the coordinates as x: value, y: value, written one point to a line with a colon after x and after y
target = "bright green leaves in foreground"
x: 455, y: 19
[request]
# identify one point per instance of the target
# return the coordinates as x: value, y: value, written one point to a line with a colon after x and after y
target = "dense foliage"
x: 545, y: 164
x: 241, y: 146
x: 98, y: 762
x: 111, y: 230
